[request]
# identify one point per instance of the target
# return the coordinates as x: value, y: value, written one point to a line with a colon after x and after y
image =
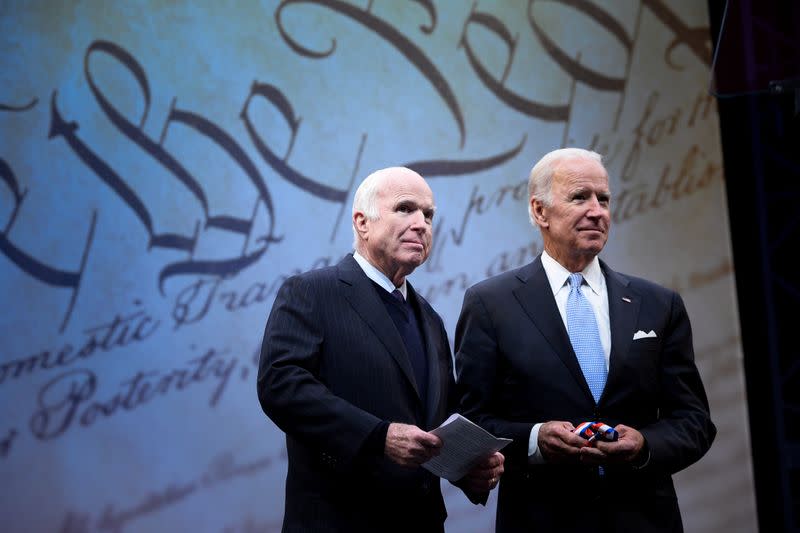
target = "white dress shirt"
x: 379, y: 277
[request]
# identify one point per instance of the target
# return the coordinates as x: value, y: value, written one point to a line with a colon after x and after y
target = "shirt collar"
x: 379, y: 277
x: 557, y: 275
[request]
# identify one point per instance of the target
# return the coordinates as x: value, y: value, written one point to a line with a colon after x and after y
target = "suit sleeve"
x: 477, y: 376
x: 684, y: 430
x: 290, y: 390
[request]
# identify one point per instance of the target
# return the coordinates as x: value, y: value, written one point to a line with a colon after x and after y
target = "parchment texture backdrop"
x: 165, y: 165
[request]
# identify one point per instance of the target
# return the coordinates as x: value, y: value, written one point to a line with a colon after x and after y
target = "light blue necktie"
x: 585, y: 337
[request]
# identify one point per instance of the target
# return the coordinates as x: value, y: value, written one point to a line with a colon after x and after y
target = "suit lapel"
x: 434, y: 387
x: 536, y: 298
x: 361, y: 295
x: 623, y: 311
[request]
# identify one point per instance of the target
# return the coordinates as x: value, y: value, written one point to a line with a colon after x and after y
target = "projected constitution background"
x: 164, y: 166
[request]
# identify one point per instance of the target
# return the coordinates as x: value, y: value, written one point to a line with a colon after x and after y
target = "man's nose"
x: 418, y: 220
x: 596, y: 208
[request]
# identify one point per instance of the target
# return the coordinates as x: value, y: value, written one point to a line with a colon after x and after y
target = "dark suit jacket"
x: 333, y: 366
x: 516, y: 367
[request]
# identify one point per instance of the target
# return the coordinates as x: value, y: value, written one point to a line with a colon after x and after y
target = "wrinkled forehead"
x: 579, y: 170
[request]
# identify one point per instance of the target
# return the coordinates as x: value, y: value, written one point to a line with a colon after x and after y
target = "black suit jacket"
x: 332, y: 368
x: 516, y: 367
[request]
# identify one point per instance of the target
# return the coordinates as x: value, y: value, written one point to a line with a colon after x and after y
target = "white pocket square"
x: 642, y: 335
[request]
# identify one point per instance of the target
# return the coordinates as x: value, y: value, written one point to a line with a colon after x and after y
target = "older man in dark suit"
x: 356, y: 368
x: 565, y: 340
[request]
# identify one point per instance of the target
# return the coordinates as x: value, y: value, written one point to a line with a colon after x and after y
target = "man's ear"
x: 539, y: 212
x: 360, y: 223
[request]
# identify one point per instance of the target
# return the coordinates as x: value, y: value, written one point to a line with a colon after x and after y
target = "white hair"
x: 366, y: 199
x: 540, y: 180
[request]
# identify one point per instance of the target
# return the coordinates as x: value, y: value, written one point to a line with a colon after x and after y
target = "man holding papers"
x: 356, y: 369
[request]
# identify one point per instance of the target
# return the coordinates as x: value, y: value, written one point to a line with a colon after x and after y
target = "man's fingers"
x: 429, y: 440
x: 558, y: 443
x: 560, y: 431
x: 428, y: 445
x: 481, y: 479
x: 565, y: 441
x: 408, y: 445
x: 491, y: 462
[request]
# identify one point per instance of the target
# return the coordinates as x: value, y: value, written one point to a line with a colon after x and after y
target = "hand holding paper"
x: 464, y: 445
x: 483, y: 477
x: 408, y: 445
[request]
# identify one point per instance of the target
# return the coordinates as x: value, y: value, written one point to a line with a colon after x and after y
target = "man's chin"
x: 592, y: 249
x: 413, y: 260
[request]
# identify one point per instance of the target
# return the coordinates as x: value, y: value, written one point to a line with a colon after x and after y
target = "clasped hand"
x: 559, y: 444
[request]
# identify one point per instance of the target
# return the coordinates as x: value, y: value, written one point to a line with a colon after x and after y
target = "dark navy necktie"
x: 412, y: 338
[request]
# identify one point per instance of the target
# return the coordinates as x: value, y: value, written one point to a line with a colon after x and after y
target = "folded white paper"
x: 464, y: 444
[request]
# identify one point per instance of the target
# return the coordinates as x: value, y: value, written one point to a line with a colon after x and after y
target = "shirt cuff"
x: 535, y: 456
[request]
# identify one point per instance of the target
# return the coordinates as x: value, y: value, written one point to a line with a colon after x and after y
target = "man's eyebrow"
x: 407, y: 202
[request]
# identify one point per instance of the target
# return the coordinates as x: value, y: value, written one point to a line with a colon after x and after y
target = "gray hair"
x: 540, y: 180
x: 366, y: 200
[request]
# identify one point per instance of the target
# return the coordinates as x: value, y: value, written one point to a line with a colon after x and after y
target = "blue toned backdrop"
x: 165, y: 165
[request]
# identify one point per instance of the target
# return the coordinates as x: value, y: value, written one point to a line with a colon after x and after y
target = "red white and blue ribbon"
x: 594, y: 431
